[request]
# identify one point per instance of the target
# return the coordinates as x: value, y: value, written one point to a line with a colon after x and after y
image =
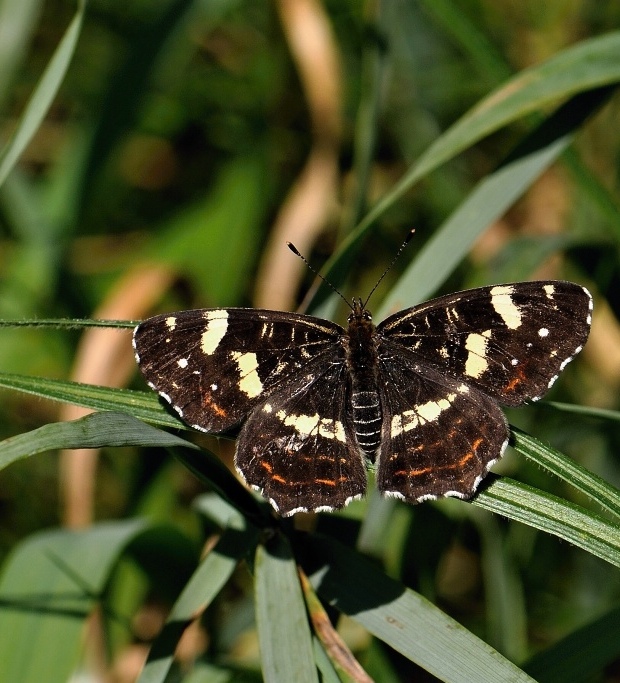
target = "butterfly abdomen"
x: 363, y: 367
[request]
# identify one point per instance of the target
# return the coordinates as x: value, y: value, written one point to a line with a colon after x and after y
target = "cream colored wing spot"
x: 505, y: 307
x: 332, y: 429
x: 476, y: 345
x: 308, y: 424
x: 217, y: 325
x: 426, y: 412
x: 549, y: 291
x: 590, y: 306
x: 171, y: 323
x: 249, y: 383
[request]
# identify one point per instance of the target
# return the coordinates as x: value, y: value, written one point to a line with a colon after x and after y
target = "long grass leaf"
x: 570, y: 471
x: 553, y: 515
x: 141, y: 404
x: 405, y: 620
x: 43, y: 95
x: 206, y: 582
x: 283, y: 631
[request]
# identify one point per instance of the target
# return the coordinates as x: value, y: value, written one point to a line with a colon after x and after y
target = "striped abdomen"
x: 367, y: 419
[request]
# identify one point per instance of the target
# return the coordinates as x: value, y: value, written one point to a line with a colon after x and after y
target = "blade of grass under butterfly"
x: 284, y: 637
x: 570, y: 471
x: 206, y: 582
x: 141, y: 404
x: 69, y: 323
x: 553, y: 515
x: 93, y: 431
x: 403, y: 619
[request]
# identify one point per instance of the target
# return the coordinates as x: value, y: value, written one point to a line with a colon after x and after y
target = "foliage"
x: 157, y: 156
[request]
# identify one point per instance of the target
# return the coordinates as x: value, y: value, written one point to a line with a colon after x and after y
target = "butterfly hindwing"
x: 298, y: 447
x: 511, y: 341
x: 215, y: 365
x: 440, y: 436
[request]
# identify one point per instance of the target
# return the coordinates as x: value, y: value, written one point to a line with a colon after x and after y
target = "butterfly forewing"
x: 215, y: 365
x: 511, y: 341
x: 298, y: 447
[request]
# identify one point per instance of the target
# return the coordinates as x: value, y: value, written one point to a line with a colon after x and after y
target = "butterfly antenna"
x: 393, y: 261
x: 295, y: 251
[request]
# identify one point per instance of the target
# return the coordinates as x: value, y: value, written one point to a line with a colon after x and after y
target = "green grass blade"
x: 283, y: 631
x: 117, y: 429
x: 580, y: 655
x: 93, y: 431
x: 69, y: 323
x: 586, y: 411
x: 206, y: 582
x: 43, y: 95
x: 505, y: 602
x: 325, y: 666
x: 18, y: 21
x: 141, y: 404
x: 489, y: 63
x: 559, y: 464
x: 488, y: 201
x: 405, y: 620
x: 49, y: 585
x: 476, y: 44
x: 553, y: 515
x: 588, y: 65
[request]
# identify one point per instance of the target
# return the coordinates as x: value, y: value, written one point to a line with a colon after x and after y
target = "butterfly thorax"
x: 363, y: 366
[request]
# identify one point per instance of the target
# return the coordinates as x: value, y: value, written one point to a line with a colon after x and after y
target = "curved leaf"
x: 588, y: 65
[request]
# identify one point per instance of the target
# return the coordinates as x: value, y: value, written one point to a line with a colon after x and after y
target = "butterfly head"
x: 359, y: 311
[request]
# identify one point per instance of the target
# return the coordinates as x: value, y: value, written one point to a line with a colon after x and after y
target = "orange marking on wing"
x: 516, y: 381
x: 477, y: 443
x: 330, y: 482
x: 279, y: 479
x: 209, y: 403
x: 415, y: 473
x: 266, y: 465
x: 512, y: 385
x: 464, y: 459
x: 426, y: 470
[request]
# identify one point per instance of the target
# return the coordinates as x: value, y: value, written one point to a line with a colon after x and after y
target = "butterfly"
x: 417, y: 396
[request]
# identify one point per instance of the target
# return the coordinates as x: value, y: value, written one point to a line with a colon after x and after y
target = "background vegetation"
x: 158, y: 156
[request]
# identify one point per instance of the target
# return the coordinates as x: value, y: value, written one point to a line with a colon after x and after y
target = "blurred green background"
x: 190, y: 139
